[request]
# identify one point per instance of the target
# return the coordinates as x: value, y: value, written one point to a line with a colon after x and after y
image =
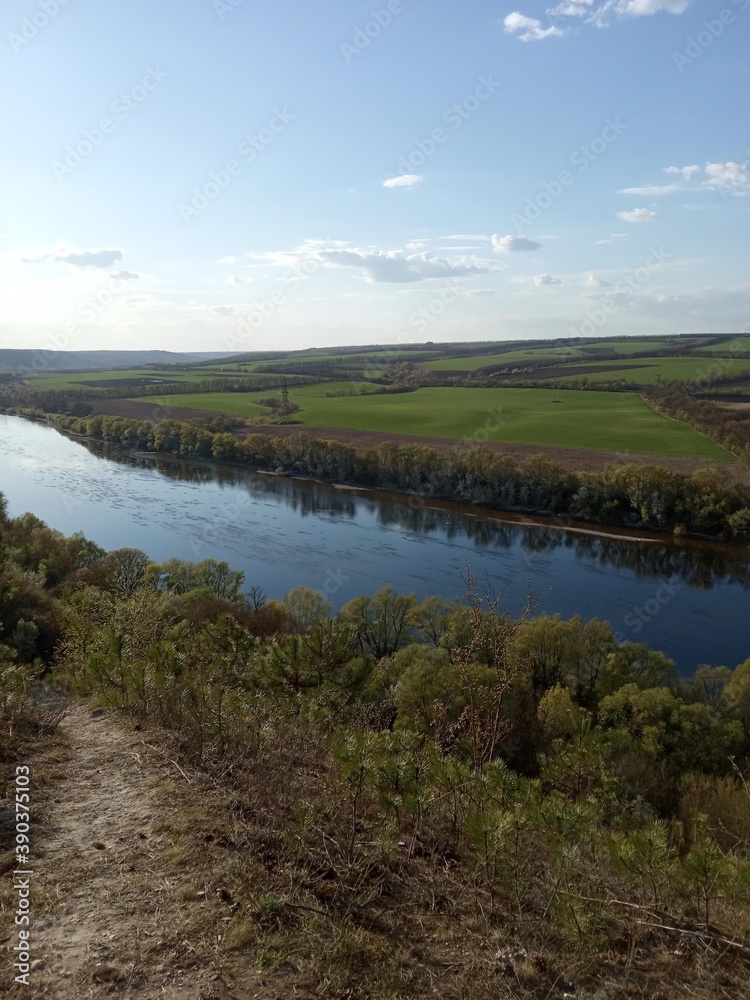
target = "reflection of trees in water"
x: 699, y: 565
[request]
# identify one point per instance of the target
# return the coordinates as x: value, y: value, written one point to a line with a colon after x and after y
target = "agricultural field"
x: 626, y: 347
x: 481, y: 361
x: 647, y: 371
x: 740, y: 344
x: 617, y: 422
x: 138, y: 376
x: 75, y: 380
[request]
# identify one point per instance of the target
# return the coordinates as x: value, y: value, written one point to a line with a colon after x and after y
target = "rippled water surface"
x: 689, y: 599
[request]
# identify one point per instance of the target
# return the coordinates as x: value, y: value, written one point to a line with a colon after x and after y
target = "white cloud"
x: 546, y: 279
x: 77, y: 258
x: 593, y: 281
x: 227, y: 260
x: 600, y: 243
x: 379, y: 266
x: 124, y: 275
x: 229, y: 310
x: 404, y: 181
x: 512, y: 244
x: 601, y: 14
x: 730, y: 175
x: 645, y: 8
x: 529, y: 29
x: 651, y: 190
x: 237, y: 279
x: 638, y: 215
x: 571, y: 8
x: 685, y: 172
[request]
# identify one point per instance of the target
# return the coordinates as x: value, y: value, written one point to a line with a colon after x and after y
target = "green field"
x: 480, y: 361
x: 741, y: 343
x: 623, y: 348
x: 651, y: 371
x: 78, y: 380
x: 601, y: 420
x: 626, y: 347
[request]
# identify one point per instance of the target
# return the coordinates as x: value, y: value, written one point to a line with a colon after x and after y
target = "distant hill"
x: 65, y: 361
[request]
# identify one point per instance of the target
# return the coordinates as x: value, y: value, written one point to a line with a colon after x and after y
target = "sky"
x: 253, y: 175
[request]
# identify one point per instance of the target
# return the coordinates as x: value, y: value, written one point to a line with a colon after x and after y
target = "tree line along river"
x: 687, y: 598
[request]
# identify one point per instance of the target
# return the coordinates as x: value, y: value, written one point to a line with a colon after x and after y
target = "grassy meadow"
x: 651, y: 371
x: 618, y: 422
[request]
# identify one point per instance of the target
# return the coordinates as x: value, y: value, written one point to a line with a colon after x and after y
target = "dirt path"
x: 113, y: 912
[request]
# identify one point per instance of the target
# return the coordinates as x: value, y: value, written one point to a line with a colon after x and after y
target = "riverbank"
x: 285, y: 532
x: 519, y: 518
x: 570, y: 459
x: 536, y: 473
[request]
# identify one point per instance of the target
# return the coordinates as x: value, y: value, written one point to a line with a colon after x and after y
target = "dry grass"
x: 261, y: 885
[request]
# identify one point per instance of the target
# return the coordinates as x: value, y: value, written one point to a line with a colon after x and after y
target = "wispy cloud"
x: 639, y: 215
x: 529, y: 29
x: 601, y: 15
x: 76, y: 258
x: 403, y: 181
x: 651, y: 190
x: 513, y: 244
x: 379, y: 266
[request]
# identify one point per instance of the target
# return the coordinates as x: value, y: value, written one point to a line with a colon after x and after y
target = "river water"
x: 690, y: 599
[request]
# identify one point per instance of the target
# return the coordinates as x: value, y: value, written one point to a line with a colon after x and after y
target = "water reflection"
x: 701, y: 565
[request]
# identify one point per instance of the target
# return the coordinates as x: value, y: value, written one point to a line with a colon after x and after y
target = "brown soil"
x: 115, y: 383
x: 143, y: 409
x: 113, y: 908
x: 575, y: 459
x: 566, y: 371
x: 742, y: 406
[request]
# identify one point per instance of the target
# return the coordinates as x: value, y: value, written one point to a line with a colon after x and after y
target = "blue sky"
x: 251, y: 175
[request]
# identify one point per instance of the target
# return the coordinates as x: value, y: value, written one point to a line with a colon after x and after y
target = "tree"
x: 129, y: 566
x: 180, y: 577
x: 737, y: 696
x: 709, y: 684
x: 383, y: 623
x: 544, y: 649
x: 633, y: 663
x: 306, y: 607
x: 575, y: 762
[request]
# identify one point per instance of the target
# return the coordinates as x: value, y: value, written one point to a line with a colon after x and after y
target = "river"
x: 686, y: 597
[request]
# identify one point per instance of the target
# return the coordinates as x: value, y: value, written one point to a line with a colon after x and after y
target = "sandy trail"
x: 112, y: 913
